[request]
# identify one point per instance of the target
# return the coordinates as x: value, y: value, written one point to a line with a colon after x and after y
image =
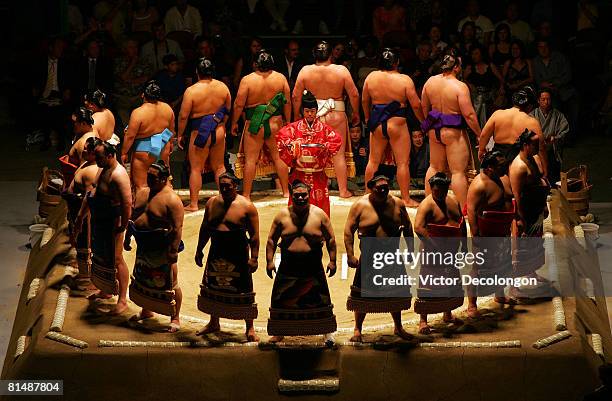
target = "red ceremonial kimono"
x: 307, y: 151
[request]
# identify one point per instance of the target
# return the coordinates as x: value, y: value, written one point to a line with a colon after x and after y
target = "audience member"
x: 310, y: 18
x: 554, y: 128
x: 420, y: 69
x: 518, y: 71
x: 110, y: 15
x: 93, y: 71
x: 246, y: 63
x: 435, y: 39
x: 337, y: 53
x: 499, y: 50
x: 483, y: 78
x: 388, y: 17
x: 142, y: 16
x: 437, y: 16
x: 289, y: 63
x: 419, y: 159
x: 484, y: 26
x: 205, y: 47
x: 183, y: 17
x: 519, y: 29
x: 171, y: 81
x: 467, y: 40
x: 368, y: 63
x: 130, y: 74
x: 153, y: 52
x: 361, y: 152
x: 51, y: 92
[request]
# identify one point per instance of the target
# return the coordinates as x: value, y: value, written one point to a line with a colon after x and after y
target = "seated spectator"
x: 51, y: 83
x: 388, y: 17
x: 153, y: 52
x: 420, y: 69
x: 353, y: 48
x: 205, y: 48
x: 484, y: 26
x: 544, y: 31
x: 171, y: 81
x: 435, y: 39
x: 289, y: 63
x: 110, y: 14
x: 518, y: 71
x: 142, y: 16
x: 361, y: 151
x: 483, y: 78
x: 93, y: 71
x: 467, y: 41
x: 519, y: 29
x: 552, y: 71
x: 499, y: 50
x: 183, y: 17
x: 365, y: 65
x: 555, y: 128
x: 245, y: 64
x: 337, y: 53
x: 419, y: 159
x: 130, y: 74
x: 437, y: 16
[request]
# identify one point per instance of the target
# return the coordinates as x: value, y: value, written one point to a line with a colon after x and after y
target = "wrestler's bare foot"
x: 403, y: 334
x: 251, y: 336
x: 119, y: 308
x: 449, y: 318
x: 190, y: 208
x: 276, y: 339
x: 99, y: 295
x: 142, y: 315
x: 357, y: 338
x: 473, y: 312
x: 175, y: 325
x: 505, y: 301
x: 286, y: 194
x: 411, y: 203
x: 346, y: 194
x: 209, y: 328
x: 424, y: 328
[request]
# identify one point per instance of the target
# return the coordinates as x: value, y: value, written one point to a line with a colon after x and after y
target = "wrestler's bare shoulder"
x: 119, y: 173
x: 317, y: 212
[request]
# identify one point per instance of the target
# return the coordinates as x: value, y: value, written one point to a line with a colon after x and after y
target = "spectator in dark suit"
x: 93, y: 70
x: 289, y: 64
x: 52, y: 95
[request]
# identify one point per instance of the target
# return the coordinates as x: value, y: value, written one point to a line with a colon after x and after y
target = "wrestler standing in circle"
x: 505, y: 126
x: 386, y: 94
x: 263, y: 96
x: 328, y: 82
x: 104, y: 120
x: 448, y: 111
x: 227, y: 285
x: 149, y: 132
x: 205, y: 106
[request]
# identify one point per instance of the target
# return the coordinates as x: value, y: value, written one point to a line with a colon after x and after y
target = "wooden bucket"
x: 576, y: 189
x: 48, y: 193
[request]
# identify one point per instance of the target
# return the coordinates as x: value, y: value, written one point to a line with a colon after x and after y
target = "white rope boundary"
x: 64, y: 339
x: 33, y: 289
x: 326, y: 385
x: 60, y: 309
x: 547, y: 341
x: 20, y: 347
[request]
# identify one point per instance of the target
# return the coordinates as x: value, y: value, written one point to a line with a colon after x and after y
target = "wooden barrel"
x: 576, y: 189
x: 48, y: 193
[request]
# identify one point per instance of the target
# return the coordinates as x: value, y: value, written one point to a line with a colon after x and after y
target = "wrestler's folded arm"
x: 330, y: 240
x: 516, y: 183
x: 177, y: 215
x: 273, y: 236
x: 204, y: 234
x: 407, y: 231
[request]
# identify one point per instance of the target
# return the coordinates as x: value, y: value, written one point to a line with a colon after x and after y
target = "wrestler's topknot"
x: 205, y: 68
x: 152, y: 91
x: 160, y: 165
x: 524, y: 138
x: 439, y: 180
x: 97, y: 97
x: 264, y: 60
x: 388, y: 59
x: 524, y: 97
x: 491, y: 159
x: 84, y: 115
x: 321, y: 51
x: 297, y: 184
x: 229, y: 176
